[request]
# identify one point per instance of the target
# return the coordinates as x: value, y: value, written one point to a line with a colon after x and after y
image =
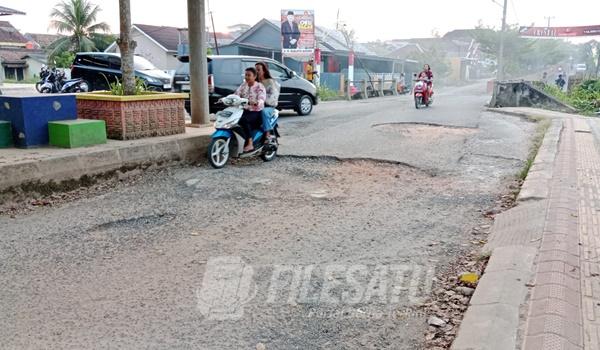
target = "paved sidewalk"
x: 53, y: 164
x: 554, y: 302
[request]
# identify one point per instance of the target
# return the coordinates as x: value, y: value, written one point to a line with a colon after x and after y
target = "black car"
x: 226, y: 73
x: 101, y: 68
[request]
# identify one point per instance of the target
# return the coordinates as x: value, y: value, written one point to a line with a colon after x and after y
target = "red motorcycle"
x: 421, y: 92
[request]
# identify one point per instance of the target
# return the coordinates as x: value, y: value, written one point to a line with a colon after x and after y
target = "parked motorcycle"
x: 56, y: 82
x: 421, y: 94
x: 44, y: 72
x: 228, y: 140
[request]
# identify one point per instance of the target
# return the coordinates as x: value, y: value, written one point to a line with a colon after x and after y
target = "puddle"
x: 424, y: 130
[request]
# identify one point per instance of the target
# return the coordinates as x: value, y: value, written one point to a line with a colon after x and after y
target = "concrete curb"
x: 493, y: 319
x: 104, y: 159
x: 537, y: 184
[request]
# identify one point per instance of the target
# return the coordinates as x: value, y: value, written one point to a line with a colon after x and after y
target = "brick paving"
x: 564, y: 308
x: 554, y: 319
x: 588, y: 181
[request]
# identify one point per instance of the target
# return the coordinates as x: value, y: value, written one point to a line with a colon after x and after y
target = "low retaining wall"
x: 104, y: 159
x: 524, y: 94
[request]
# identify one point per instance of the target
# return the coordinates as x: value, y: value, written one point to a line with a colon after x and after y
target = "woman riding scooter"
x: 272, y: 88
x: 256, y: 94
x: 427, y: 71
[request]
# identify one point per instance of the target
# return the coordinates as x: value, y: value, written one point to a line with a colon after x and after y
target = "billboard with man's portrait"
x: 297, y: 32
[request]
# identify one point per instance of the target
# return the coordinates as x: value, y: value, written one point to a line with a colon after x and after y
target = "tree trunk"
x: 127, y: 48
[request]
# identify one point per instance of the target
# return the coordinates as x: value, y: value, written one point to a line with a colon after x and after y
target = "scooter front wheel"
x: 417, y: 102
x: 218, y: 152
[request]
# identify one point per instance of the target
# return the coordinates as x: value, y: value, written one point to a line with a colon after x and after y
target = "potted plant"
x: 131, y: 112
x: 143, y: 114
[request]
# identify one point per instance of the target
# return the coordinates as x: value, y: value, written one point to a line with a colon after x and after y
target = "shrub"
x: 584, y: 97
x: 327, y: 94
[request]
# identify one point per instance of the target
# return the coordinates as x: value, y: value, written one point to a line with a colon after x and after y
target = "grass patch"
x: 24, y: 81
x: 327, y: 94
x: 543, y: 125
x: 585, y: 97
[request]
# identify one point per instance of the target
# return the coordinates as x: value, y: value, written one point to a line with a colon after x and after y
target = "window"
x: 140, y: 63
x: 277, y: 71
x: 114, y: 62
x: 94, y: 61
x: 227, y: 72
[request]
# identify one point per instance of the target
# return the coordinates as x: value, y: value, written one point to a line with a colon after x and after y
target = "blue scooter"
x: 228, y: 139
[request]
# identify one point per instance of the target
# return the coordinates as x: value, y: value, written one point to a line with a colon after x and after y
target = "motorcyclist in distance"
x: 429, y: 74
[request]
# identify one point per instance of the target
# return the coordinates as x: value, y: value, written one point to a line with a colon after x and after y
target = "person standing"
x: 290, y: 32
x: 560, y: 82
x: 310, y: 70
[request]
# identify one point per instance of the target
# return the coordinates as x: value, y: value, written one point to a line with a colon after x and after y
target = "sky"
x: 379, y: 20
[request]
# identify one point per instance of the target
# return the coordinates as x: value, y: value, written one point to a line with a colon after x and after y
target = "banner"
x: 559, y: 32
x: 297, y: 33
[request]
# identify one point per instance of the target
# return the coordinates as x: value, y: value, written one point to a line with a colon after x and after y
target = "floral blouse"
x: 255, y: 93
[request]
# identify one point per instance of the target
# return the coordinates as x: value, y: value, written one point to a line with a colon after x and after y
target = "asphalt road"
x: 331, y: 247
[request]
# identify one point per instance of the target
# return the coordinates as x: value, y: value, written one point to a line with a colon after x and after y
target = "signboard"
x: 297, y: 33
x: 559, y: 32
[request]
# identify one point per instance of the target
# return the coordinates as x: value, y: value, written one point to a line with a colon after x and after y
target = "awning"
x: 15, y: 65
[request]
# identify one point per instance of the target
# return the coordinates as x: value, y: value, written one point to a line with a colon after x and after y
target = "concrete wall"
x: 523, y: 94
x: 33, y: 69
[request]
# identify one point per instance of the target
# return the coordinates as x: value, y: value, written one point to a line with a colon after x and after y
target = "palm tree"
x: 77, y: 18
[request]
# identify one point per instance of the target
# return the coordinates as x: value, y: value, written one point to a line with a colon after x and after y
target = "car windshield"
x: 140, y: 63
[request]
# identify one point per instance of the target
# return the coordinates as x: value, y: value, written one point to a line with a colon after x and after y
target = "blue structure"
x: 30, y: 115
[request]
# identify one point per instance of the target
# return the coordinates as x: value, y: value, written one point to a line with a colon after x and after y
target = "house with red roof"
x: 19, y: 62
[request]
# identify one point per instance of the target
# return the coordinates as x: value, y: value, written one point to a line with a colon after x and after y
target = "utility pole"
x: 500, y: 73
x: 549, y: 18
x: 198, y: 63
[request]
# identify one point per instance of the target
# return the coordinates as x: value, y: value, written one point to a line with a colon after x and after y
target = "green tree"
x: 63, y: 59
x: 523, y: 55
x: 589, y: 53
x: 103, y: 41
x: 77, y: 19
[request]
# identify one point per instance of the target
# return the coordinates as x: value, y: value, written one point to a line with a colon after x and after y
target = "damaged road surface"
x: 333, y: 247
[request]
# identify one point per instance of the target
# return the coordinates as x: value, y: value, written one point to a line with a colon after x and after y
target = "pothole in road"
x: 424, y: 130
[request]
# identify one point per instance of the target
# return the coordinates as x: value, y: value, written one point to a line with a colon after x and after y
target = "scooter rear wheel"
x: 218, y: 152
x: 269, y: 155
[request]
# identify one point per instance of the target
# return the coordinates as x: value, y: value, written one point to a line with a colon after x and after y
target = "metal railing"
x: 371, y: 88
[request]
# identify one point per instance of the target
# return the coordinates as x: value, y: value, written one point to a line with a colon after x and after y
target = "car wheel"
x: 305, y: 105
